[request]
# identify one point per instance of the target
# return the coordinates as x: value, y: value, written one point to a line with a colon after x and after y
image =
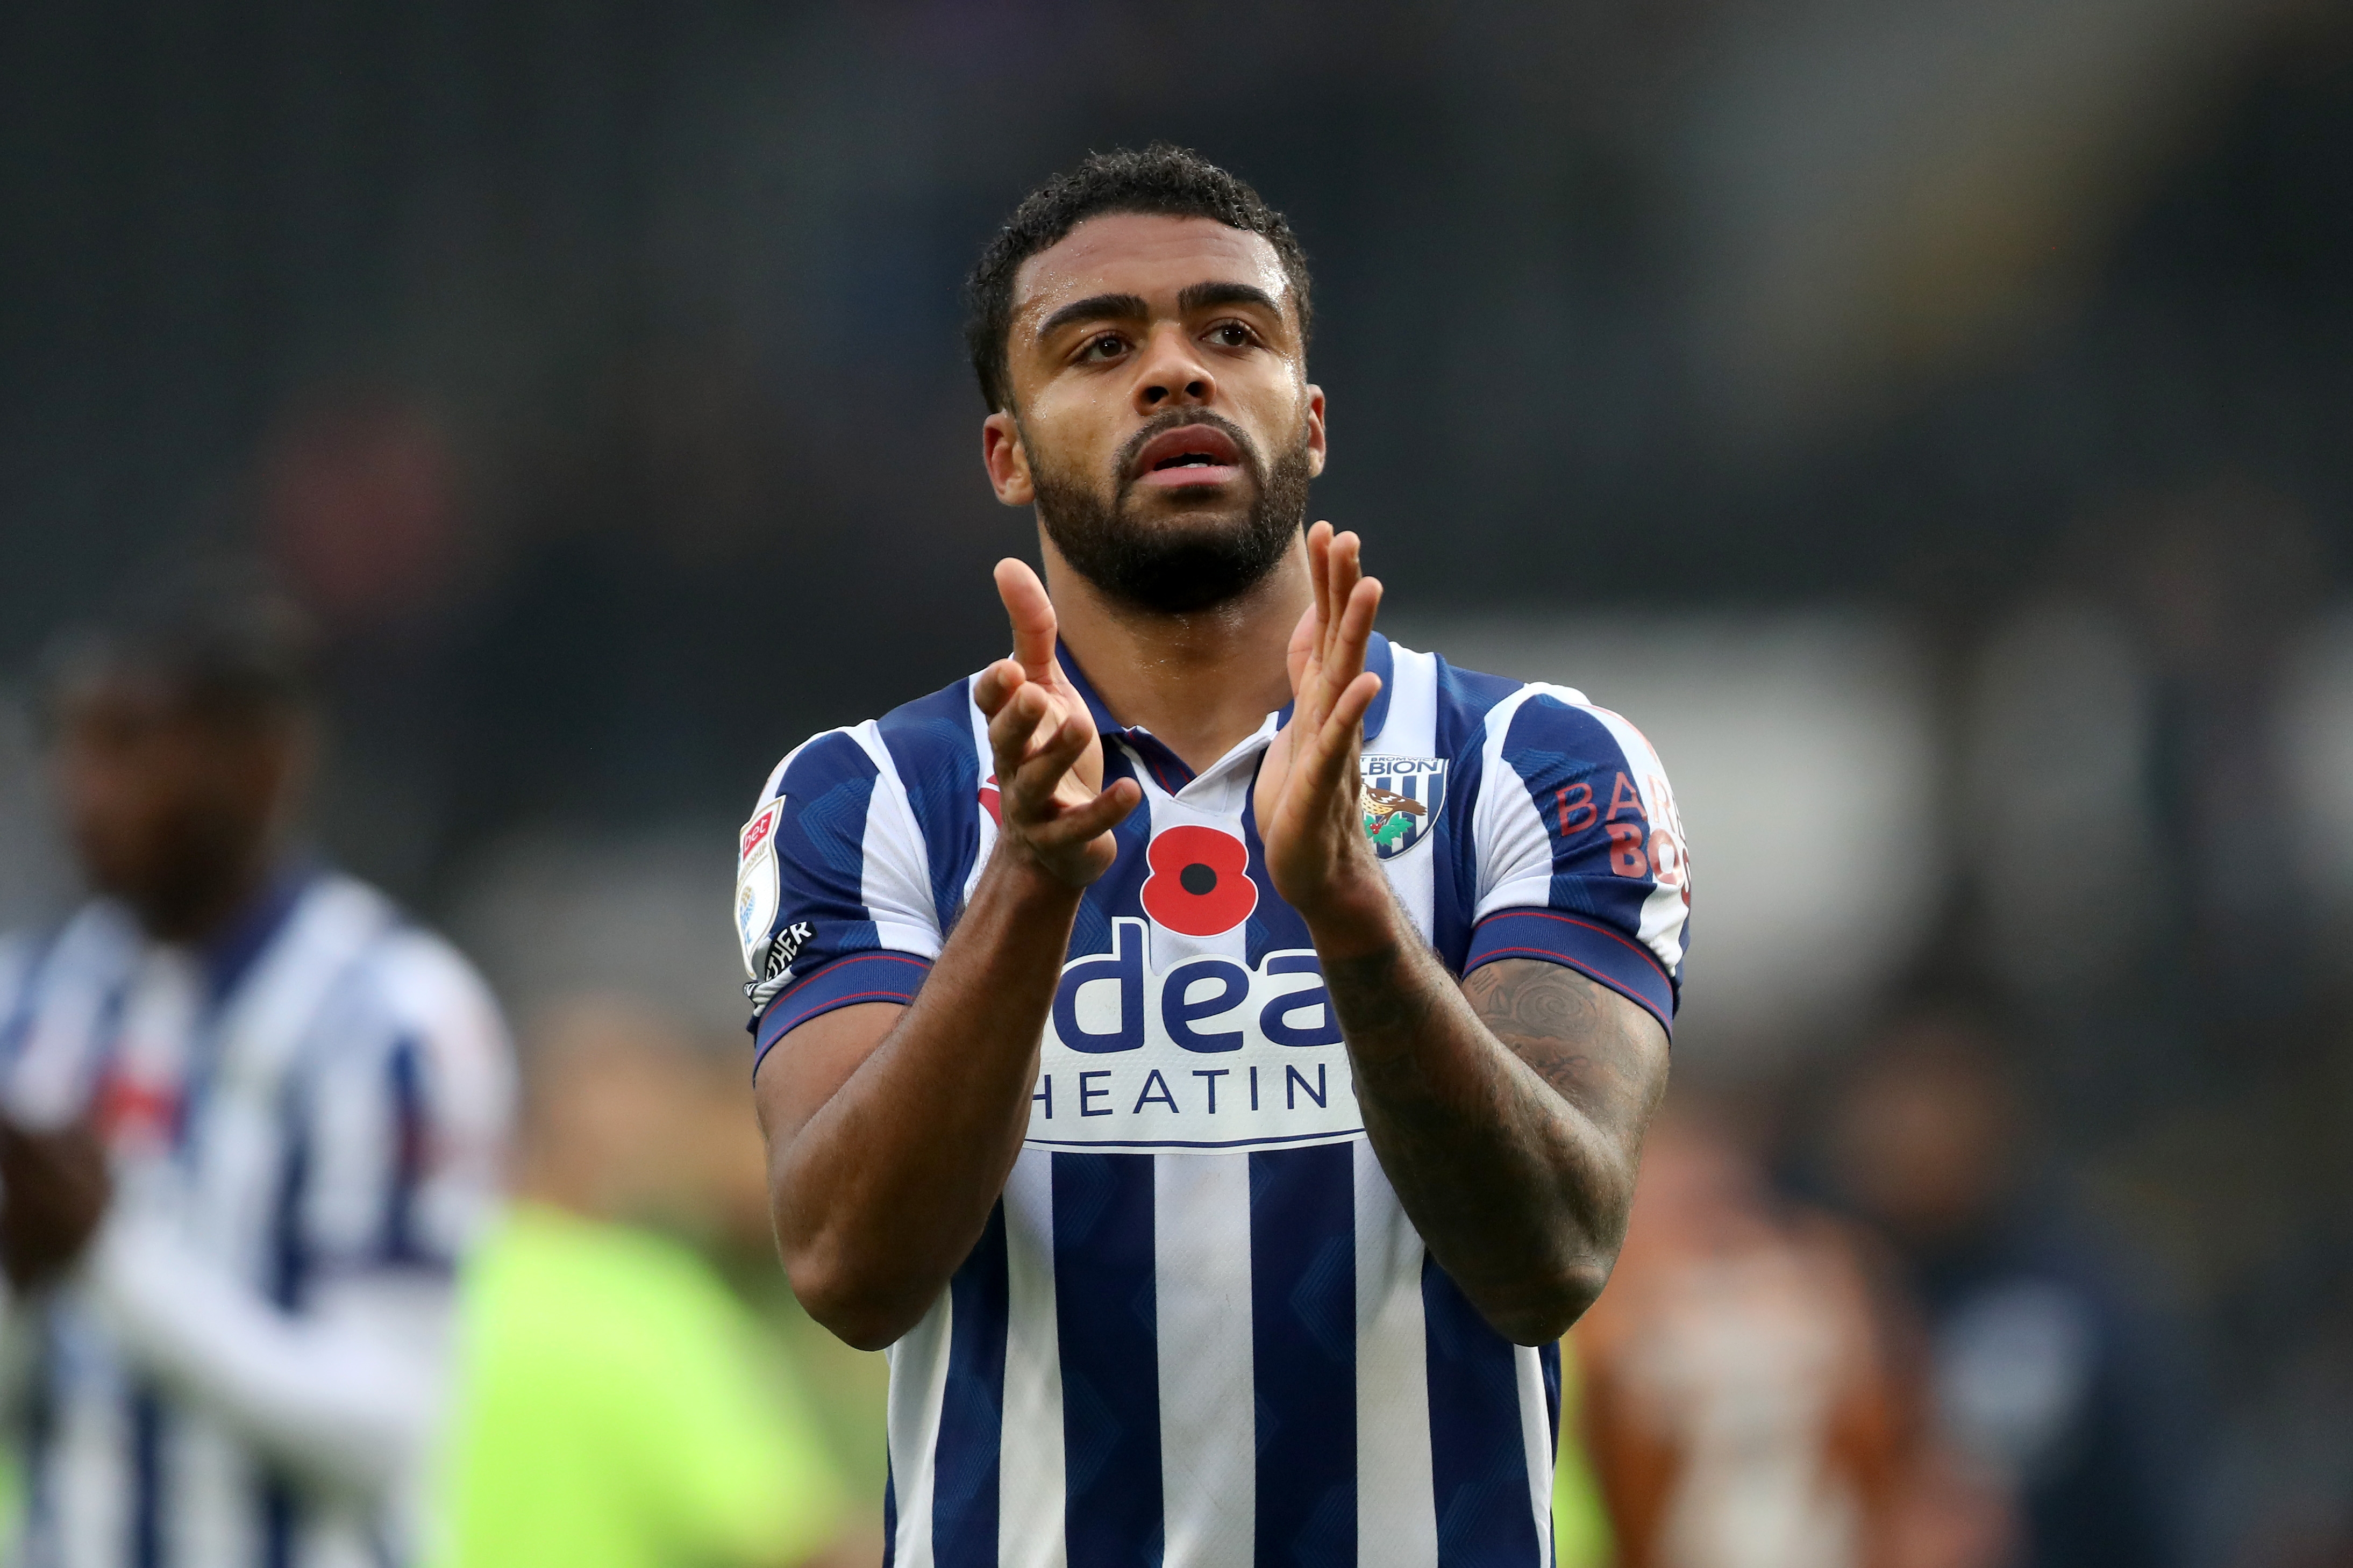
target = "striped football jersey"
x: 1199, y: 1328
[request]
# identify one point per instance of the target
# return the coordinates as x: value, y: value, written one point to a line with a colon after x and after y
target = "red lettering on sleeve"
x: 1666, y: 859
x: 1624, y: 796
x: 1577, y: 809
x: 1626, y: 856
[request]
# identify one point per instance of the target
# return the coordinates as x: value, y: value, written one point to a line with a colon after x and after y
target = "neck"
x: 1202, y: 681
x: 197, y: 914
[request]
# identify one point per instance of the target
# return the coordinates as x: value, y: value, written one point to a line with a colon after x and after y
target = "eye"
x: 1232, y: 335
x: 1109, y: 346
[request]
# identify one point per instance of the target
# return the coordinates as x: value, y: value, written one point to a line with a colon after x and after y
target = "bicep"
x: 1602, y: 1052
x: 802, y: 1072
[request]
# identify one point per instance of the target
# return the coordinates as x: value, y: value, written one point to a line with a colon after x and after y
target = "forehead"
x: 1148, y: 255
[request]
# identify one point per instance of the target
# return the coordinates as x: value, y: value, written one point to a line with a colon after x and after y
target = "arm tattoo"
x: 1586, y: 1042
x: 1507, y: 1110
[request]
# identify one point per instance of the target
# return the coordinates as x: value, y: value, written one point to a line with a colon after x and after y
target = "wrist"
x: 1357, y: 914
x: 1021, y: 876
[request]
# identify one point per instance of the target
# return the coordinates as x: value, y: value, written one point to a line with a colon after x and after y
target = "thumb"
x: 1032, y: 615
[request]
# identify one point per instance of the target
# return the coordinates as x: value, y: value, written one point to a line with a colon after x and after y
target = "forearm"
x: 347, y: 1398
x: 1519, y: 1191
x: 885, y: 1189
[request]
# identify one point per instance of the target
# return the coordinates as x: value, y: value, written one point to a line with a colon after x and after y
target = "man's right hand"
x: 1055, y: 813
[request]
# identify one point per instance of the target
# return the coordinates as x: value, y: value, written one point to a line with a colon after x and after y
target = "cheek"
x: 1073, y: 439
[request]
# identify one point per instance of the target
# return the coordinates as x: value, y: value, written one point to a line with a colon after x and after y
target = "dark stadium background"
x: 593, y: 370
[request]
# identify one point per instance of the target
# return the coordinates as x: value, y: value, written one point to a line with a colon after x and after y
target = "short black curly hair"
x: 1171, y: 180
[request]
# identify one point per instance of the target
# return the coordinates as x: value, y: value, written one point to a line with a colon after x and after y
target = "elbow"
x: 1547, y: 1310
x: 848, y: 1302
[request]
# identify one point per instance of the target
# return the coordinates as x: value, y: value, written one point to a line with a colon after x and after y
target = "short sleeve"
x: 407, y: 1096
x: 833, y: 899
x: 1581, y: 852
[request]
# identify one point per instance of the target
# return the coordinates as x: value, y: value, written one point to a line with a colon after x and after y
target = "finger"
x: 1035, y: 778
x: 1302, y: 649
x: 1353, y: 635
x: 1032, y: 615
x: 1335, y: 744
x: 1319, y: 550
x: 1345, y: 565
x: 1013, y: 733
x: 998, y: 682
x: 1099, y: 815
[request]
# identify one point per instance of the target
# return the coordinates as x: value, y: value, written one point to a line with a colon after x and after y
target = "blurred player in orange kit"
x: 1751, y: 1400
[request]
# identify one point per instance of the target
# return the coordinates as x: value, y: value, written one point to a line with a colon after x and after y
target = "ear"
x: 1007, y: 459
x: 1314, y: 430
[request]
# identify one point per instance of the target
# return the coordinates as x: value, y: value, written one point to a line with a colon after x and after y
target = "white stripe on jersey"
x: 1411, y: 731
x: 896, y: 880
x: 1208, y: 1432
x: 919, y: 1383
x: 1029, y: 1462
x: 1396, y: 1527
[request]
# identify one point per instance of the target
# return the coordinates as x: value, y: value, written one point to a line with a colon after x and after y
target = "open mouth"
x: 1189, y: 455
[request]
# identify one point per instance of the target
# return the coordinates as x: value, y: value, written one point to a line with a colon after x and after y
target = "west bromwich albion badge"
x: 1401, y: 797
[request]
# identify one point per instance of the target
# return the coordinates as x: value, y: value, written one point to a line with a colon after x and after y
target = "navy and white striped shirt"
x: 1199, y: 1328
x: 305, y: 1122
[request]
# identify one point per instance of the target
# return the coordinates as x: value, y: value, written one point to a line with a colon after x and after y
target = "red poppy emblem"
x: 990, y: 803
x: 1200, y: 883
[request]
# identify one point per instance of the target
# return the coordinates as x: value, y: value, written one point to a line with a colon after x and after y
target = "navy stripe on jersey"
x: 289, y: 1256
x: 1118, y: 893
x: 1381, y: 661
x: 1624, y: 966
x: 972, y: 1411
x: 1548, y: 1358
x: 889, y: 1511
x: 1464, y: 699
x: 930, y: 742
x: 876, y: 976
x: 406, y: 1073
x: 1304, y: 1346
x: 821, y: 842
x: 1478, y: 1467
x: 146, y: 1479
x: 1106, y: 1323
x: 1273, y: 925
x: 278, y: 1510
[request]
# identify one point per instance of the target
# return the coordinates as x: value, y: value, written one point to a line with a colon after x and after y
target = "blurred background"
x: 1917, y: 416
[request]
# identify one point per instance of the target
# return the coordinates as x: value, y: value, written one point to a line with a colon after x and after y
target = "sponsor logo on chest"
x: 1203, y: 1052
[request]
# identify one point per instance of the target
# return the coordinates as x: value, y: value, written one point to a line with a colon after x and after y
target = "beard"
x: 1183, y: 565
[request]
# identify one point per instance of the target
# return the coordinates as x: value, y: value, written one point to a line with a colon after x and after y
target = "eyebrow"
x: 1128, y: 307
x: 1095, y: 307
x: 1202, y: 296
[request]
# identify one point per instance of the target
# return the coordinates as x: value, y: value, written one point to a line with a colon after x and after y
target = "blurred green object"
x: 1580, y: 1525
x: 618, y: 1411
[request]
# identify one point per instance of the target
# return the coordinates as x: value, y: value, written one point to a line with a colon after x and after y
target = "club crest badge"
x: 1401, y: 797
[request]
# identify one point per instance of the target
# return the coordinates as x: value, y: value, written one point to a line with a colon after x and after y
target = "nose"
x: 1173, y: 372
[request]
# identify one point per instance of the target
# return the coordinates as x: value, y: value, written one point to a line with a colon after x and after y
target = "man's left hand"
x: 54, y: 1189
x: 1307, y: 801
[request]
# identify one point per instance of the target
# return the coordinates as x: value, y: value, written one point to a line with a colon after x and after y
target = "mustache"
x: 1177, y: 419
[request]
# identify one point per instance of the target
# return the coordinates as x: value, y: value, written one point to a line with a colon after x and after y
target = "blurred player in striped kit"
x: 252, y: 1115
